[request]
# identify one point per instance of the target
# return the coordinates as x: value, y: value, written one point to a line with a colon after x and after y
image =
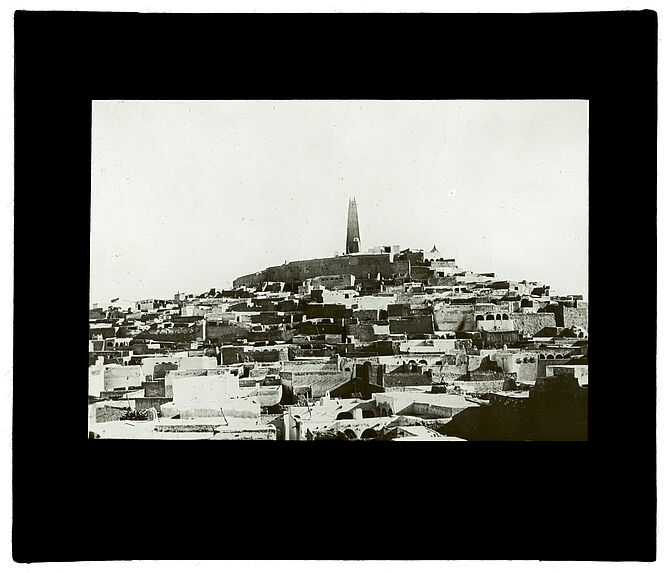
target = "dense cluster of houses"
x: 406, y: 346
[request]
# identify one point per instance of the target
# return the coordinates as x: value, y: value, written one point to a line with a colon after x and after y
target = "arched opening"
x: 489, y: 317
x: 550, y: 356
x: 369, y: 434
x: 368, y: 414
x: 498, y: 317
x: 349, y: 434
x: 505, y: 317
x: 345, y: 416
x: 541, y: 356
x: 479, y: 317
x: 423, y: 362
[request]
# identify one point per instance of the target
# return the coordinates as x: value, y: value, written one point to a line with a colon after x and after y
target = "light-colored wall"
x: 151, y: 361
x: 96, y: 380
x: 375, y: 302
x: 431, y: 404
x: 116, y: 376
x: 380, y: 329
x: 188, y: 362
x: 347, y: 298
x: 493, y: 325
x: 204, y: 391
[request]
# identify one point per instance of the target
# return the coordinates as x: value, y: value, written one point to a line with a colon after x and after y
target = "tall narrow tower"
x: 353, y: 241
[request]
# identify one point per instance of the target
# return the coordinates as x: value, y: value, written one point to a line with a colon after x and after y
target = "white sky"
x: 189, y: 195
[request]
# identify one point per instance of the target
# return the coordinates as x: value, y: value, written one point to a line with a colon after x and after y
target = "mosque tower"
x: 353, y: 240
x: 434, y: 254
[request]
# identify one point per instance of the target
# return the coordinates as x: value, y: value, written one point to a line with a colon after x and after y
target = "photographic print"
x: 362, y: 270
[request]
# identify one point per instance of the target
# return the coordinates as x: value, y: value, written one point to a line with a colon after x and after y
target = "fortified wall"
x: 362, y: 266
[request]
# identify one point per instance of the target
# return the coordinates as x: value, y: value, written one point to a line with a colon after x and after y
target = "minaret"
x: 353, y: 240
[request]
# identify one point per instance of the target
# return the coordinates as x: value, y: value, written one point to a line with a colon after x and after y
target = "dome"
x: 434, y: 254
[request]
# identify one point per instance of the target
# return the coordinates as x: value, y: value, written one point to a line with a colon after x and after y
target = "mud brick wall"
x: 455, y: 318
x: 422, y: 324
x: 151, y: 402
x: 226, y: 333
x: 361, y: 332
x: 574, y: 317
x: 483, y: 386
x: 154, y: 389
x: 110, y: 413
x: 406, y: 379
x: 530, y: 324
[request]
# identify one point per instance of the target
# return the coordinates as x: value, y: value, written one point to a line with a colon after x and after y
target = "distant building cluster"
x: 386, y: 344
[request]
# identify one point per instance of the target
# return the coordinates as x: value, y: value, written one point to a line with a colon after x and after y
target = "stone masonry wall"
x: 530, y: 324
x: 575, y: 317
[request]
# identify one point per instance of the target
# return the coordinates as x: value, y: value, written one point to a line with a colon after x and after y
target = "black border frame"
x: 76, y: 499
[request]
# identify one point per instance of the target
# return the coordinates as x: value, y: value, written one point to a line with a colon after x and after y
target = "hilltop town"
x: 388, y: 344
